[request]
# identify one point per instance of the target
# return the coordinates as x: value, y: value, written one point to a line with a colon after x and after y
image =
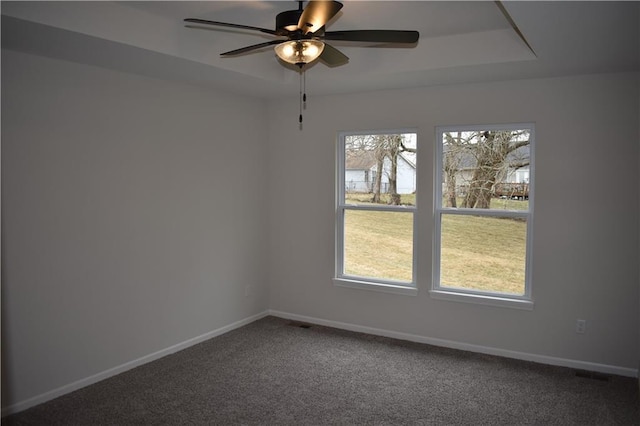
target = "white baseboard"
x: 542, y: 359
x: 55, y: 393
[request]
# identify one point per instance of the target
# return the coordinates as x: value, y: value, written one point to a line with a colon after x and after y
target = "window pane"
x: 486, y: 169
x: 380, y: 169
x: 483, y: 253
x: 378, y: 244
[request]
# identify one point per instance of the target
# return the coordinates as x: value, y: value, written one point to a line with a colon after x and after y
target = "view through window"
x: 376, y: 208
x: 484, y: 199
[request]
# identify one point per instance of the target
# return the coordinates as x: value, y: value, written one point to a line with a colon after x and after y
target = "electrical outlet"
x: 248, y: 291
x: 581, y: 326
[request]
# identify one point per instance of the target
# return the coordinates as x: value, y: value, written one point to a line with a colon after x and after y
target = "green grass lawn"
x: 365, y: 198
x: 379, y: 244
x: 410, y: 200
x: 483, y: 253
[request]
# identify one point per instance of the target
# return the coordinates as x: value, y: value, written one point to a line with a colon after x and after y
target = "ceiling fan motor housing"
x: 287, y: 21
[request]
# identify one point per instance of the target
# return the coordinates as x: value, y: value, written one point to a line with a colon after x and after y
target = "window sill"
x: 384, y: 288
x: 502, y: 302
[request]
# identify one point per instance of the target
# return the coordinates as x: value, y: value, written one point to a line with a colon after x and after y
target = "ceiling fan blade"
x: 316, y: 14
x: 252, y: 47
x: 376, y: 36
x: 332, y: 56
x: 226, y: 24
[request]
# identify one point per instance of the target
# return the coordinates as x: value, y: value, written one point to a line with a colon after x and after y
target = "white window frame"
x: 524, y: 301
x: 368, y: 283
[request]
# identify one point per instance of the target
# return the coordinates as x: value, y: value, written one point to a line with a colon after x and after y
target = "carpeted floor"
x: 277, y: 372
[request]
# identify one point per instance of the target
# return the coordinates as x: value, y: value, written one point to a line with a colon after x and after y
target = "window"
x: 375, y: 212
x: 483, y: 214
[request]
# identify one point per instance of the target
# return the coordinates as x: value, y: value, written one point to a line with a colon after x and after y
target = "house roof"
x: 365, y: 160
x: 468, y: 159
x: 359, y: 160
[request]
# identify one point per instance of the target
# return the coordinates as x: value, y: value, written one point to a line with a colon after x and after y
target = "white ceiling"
x: 460, y: 41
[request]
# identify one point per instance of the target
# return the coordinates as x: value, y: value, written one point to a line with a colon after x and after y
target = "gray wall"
x: 132, y: 218
x: 585, y: 237
x: 136, y: 211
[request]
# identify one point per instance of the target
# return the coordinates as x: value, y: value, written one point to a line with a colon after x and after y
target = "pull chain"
x: 301, y: 95
x: 303, y: 91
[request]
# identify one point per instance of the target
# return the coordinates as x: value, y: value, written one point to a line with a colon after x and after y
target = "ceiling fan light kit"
x: 304, y: 35
x: 299, y: 52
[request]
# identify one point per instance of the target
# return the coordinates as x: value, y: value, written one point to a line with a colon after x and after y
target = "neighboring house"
x: 514, y: 185
x: 361, y: 171
x: 511, y: 182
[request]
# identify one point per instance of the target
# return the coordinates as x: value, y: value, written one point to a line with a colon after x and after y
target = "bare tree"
x: 385, y: 151
x: 393, y: 152
x: 379, y: 154
x: 452, y: 152
x: 493, y: 154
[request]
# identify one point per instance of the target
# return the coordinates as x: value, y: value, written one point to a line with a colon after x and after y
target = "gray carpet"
x: 276, y: 372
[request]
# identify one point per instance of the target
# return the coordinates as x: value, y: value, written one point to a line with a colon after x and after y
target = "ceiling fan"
x: 301, y: 35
